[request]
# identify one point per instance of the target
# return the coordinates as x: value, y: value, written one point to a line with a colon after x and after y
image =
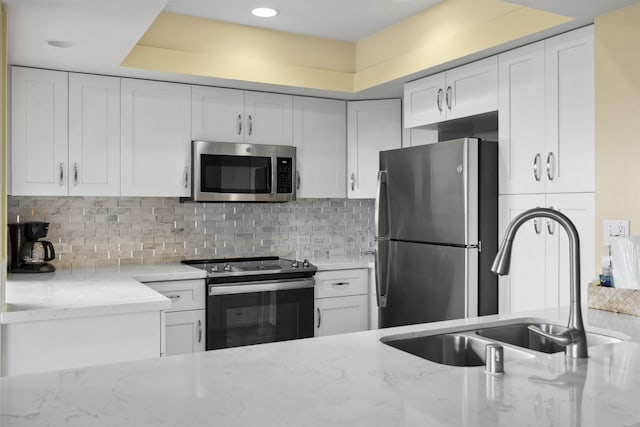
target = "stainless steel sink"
x: 466, y: 346
x: 456, y: 349
x: 448, y: 349
x: 517, y: 334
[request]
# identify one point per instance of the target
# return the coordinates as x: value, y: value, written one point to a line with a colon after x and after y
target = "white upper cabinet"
x: 460, y: 92
x: 319, y: 135
x: 520, y: 126
x: 39, y: 133
x: 94, y: 135
x: 546, y: 125
x: 569, y: 107
x: 372, y: 126
x: 217, y: 114
x: 155, y: 137
x: 231, y: 115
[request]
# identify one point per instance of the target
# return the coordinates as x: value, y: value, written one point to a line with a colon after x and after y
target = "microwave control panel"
x: 285, y: 175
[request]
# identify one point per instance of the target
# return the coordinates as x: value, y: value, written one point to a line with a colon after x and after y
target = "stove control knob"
x: 227, y: 267
x: 294, y: 264
x: 214, y: 269
x: 305, y: 263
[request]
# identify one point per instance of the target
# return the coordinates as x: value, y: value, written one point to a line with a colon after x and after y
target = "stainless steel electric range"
x: 257, y: 300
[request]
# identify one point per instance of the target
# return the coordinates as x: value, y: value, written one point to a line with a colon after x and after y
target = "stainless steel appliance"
x: 257, y: 300
x: 436, y: 227
x: 27, y: 253
x: 226, y: 172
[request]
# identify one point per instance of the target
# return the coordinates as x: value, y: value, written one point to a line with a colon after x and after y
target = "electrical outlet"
x: 615, y: 228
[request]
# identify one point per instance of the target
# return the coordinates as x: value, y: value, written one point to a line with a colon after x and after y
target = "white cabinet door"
x: 546, y: 126
x: 319, y: 135
x: 459, y: 92
x: 185, y: 332
x: 579, y: 207
x: 155, y: 135
x: 524, y: 287
x: 570, y: 112
x: 424, y: 101
x: 472, y: 89
x: 94, y: 135
x: 341, y: 315
x: 521, y: 121
x: 372, y: 126
x: 268, y: 118
x: 217, y: 114
x: 39, y: 133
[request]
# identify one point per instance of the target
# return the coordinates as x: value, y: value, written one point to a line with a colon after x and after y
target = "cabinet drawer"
x: 184, y: 294
x: 341, y: 283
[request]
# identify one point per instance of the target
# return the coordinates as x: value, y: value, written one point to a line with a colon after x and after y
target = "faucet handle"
x: 563, y: 338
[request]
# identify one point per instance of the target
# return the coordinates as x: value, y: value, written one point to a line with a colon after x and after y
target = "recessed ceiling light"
x: 60, y: 43
x: 264, y: 12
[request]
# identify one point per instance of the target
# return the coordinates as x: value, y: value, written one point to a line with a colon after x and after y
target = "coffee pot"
x: 37, y: 252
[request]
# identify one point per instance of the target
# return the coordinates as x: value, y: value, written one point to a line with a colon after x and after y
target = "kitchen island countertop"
x: 341, y: 380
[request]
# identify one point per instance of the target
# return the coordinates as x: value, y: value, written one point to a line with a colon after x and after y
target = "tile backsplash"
x: 93, y: 231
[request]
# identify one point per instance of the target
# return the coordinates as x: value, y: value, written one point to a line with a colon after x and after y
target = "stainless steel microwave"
x: 228, y: 172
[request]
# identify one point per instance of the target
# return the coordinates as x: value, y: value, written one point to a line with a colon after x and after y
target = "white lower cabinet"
x: 341, y: 301
x: 49, y: 345
x: 184, y: 332
x: 185, y: 321
x: 341, y: 315
x: 539, y: 274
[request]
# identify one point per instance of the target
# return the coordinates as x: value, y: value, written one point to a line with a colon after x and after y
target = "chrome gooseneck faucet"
x: 573, y: 337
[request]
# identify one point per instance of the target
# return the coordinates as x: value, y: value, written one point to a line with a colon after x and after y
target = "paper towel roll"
x: 625, y: 262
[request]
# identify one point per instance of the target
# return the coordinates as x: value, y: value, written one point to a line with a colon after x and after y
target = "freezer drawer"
x: 427, y: 283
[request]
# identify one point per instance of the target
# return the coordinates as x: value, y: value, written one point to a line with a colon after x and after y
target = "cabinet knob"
x: 75, y: 174
x: 61, y: 173
x: 352, y: 179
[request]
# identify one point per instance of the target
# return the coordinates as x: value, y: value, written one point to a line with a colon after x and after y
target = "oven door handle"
x: 260, y: 286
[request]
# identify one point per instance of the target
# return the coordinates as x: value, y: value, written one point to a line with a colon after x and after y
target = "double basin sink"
x: 466, y: 347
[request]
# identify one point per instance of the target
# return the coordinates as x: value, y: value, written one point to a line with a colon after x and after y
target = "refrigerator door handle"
x: 382, y: 281
x: 382, y: 181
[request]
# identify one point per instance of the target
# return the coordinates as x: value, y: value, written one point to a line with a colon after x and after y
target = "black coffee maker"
x: 27, y: 253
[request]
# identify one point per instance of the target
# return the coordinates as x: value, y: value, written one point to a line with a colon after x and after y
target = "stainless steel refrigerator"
x: 436, y: 232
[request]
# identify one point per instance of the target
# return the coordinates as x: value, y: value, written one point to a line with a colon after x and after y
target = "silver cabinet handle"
x: 186, y: 177
x: 551, y: 225
x: 199, y: 330
x: 448, y: 97
x: 250, y: 124
x: 61, y: 173
x: 536, y: 167
x: 551, y: 170
x: 173, y: 296
x: 439, y: 100
x: 353, y: 181
x: 536, y: 225
x: 369, y: 252
x: 319, y: 318
x: 75, y: 174
x: 239, y: 124
x: 340, y: 284
x: 297, y: 180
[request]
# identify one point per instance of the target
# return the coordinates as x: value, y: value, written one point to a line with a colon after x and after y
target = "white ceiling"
x: 347, y: 20
x: 104, y: 31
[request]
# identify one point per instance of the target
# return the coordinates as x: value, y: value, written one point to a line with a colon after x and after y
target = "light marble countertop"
x: 83, y: 292
x: 325, y: 264
x: 69, y: 293
x: 341, y: 380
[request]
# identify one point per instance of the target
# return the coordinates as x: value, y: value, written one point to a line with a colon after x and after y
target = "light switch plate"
x: 615, y: 228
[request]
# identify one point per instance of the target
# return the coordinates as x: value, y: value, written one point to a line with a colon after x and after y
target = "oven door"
x: 259, y: 312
